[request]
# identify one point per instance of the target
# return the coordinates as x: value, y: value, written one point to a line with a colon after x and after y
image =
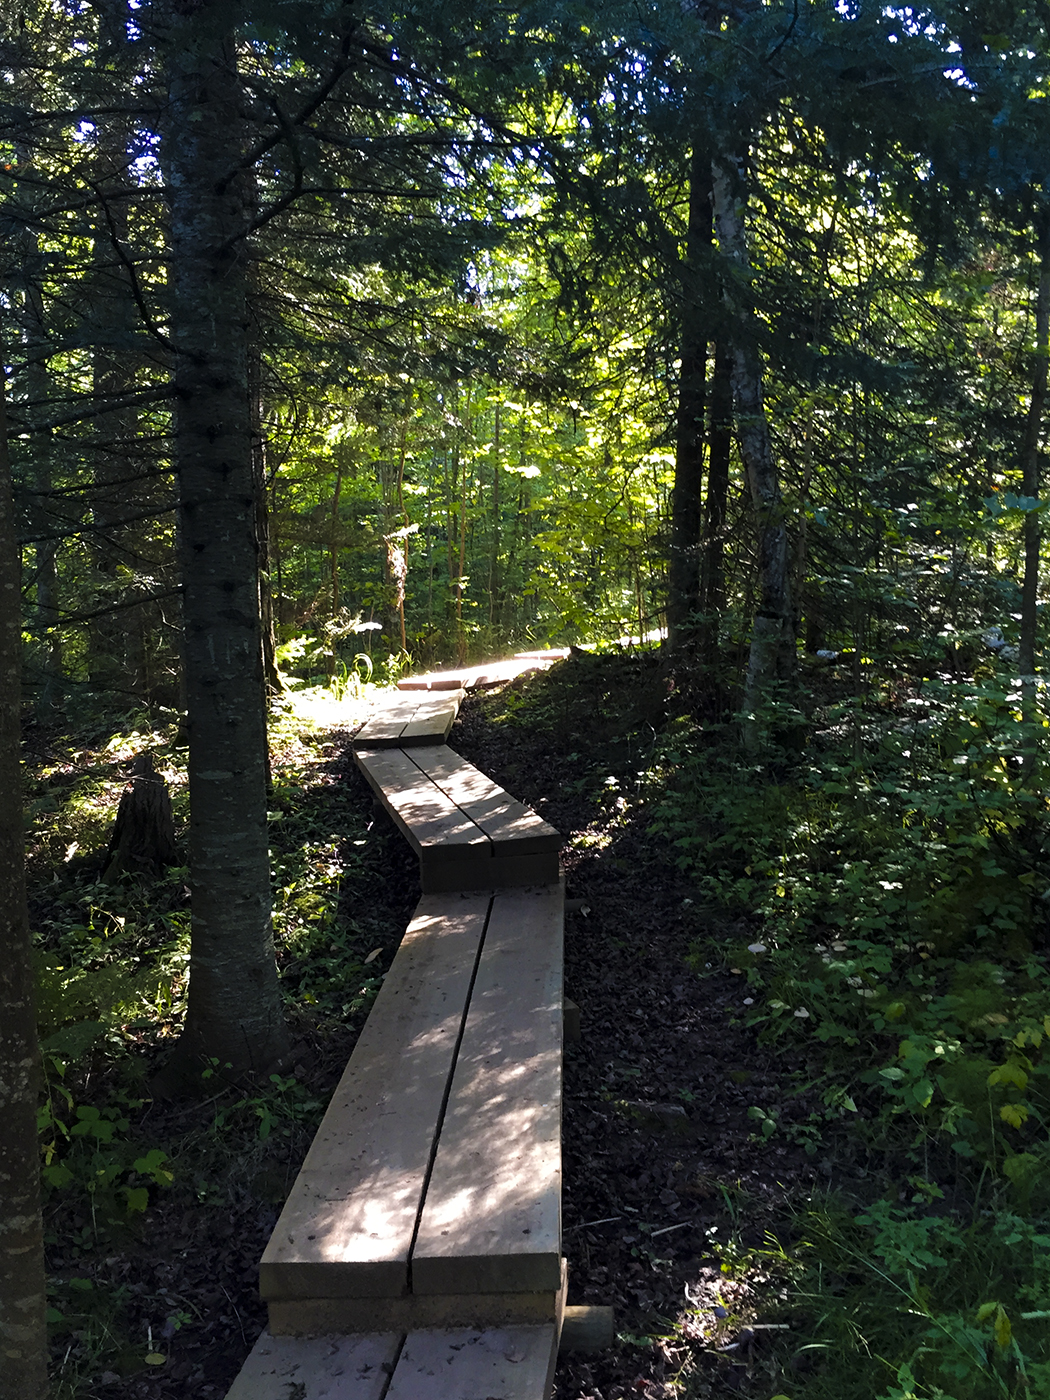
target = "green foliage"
x: 893, y: 875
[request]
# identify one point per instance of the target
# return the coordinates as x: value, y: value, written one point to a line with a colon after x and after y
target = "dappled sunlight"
x: 492, y: 1216
x: 357, y: 1198
x: 323, y: 707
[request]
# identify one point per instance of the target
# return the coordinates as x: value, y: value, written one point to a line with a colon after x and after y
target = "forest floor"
x: 661, y: 1161
x: 683, y: 1208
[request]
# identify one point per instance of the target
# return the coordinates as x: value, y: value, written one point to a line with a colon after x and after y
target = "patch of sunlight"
x: 318, y: 708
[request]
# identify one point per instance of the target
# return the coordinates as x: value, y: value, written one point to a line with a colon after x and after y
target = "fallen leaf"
x: 373, y: 955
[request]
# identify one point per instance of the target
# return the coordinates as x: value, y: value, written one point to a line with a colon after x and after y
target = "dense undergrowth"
x: 881, y: 889
x: 123, y: 1175
x: 889, y: 888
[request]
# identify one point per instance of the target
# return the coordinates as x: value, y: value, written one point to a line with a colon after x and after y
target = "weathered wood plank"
x: 428, y: 818
x: 437, y: 877
x: 511, y: 872
x: 410, y: 717
x: 388, y: 721
x: 317, y: 1368
x: 437, y: 680
x: 312, y: 1316
x: 587, y: 1328
x: 512, y: 1364
x: 509, y: 824
x: 434, y: 724
x: 491, y: 1221
x: 347, y: 1226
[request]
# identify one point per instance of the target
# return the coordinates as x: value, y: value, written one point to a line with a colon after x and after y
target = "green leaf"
x: 137, y: 1198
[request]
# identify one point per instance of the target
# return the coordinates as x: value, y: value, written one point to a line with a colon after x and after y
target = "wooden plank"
x: 434, y: 724
x: 386, y: 724
x: 509, y: 824
x: 428, y: 818
x: 317, y: 1368
x: 436, y: 680
x: 410, y: 717
x: 312, y: 1316
x: 511, y: 872
x: 436, y: 877
x: 491, y: 1221
x: 515, y: 1363
x: 588, y: 1328
x: 347, y: 1226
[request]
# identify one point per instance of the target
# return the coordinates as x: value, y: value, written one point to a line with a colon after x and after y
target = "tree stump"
x: 143, y: 839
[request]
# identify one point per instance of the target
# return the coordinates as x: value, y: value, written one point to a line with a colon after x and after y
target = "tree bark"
x: 234, y: 1014
x: 683, y: 594
x: 1031, y: 484
x: 45, y: 667
x: 271, y: 677
x: 713, y: 580
x: 23, y: 1297
x: 494, y: 581
x: 772, y: 653
x: 116, y: 647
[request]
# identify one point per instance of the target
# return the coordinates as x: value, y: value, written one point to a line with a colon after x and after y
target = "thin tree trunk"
x: 47, y: 658
x: 404, y: 532
x: 262, y: 525
x: 713, y: 592
x: 451, y: 477
x: 23, y: 1296
x: 234, y: 1014
x: 494, y: 556
x: 334, y: 553
x: 772, y: 653
x: 461, y: 641
x: 1031, y: 483
x: 683, y: 595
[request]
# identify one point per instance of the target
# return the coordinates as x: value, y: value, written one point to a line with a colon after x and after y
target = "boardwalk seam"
x: 448, y: 1093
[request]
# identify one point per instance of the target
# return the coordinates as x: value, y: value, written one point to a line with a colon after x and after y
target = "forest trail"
x: 421, y: 1241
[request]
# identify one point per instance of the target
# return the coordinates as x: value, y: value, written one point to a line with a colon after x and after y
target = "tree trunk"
x: 271, y: 677
x: 23, y: 1297
x: 494, y: 555
x: 461, y: 641
x: 115, y: 648
x: 772, y: 652
x: 234, y: 1014
x: 1031, y: 483
x: 46, y: 665
x: 713, y: 581
x: 683, y: 593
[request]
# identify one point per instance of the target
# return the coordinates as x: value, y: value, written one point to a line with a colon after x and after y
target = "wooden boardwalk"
x: 468, y: 833
x: 418, y: 1256
x: 488, y: 674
